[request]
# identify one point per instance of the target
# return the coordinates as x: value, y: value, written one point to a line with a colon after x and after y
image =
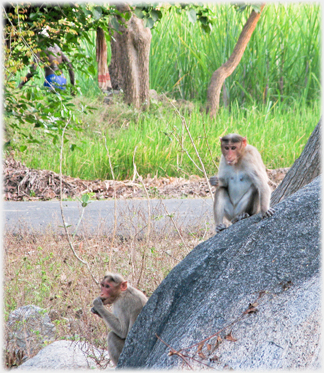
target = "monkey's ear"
x: 244, y: 141
x: 123, y: 286
x: 220, y: 139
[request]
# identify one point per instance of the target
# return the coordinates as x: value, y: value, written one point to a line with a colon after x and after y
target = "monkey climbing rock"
x: 242, y: 186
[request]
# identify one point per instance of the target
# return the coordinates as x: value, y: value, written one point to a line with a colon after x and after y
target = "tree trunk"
x: 303, y: 171
x: 129, y: 66
x: 114, y: 67
x: 219, y: 76
x: 101, y: 53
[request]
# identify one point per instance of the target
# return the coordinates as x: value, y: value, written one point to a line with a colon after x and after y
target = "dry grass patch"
x: 41, y: 269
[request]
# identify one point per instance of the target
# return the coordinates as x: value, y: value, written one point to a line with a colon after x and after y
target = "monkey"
x: 127, y: 302
x: 242, y: 186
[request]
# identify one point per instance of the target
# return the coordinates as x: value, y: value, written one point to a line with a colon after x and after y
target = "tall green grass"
x: 274, y: 97
x: 281, y: 61
x: 278, y: 131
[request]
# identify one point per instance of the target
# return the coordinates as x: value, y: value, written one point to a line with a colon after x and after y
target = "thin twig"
x: 170, y: 216
x: 142, y: 269
x: 174, y: 352
x: 239, y: 318
x: 149, y: 213
x: 193, y: 144
x: 186, y: 151
x: 79, y: 221
x: 202, y: 169
x: 147, y: 196
x: 61, y: 208
x: 208, y: 147
x: 115, y: 206
x: 135, y: 170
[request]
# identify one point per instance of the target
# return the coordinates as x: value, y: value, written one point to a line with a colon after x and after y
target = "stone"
x: 66, y: 355
x: 29, y: 327
x: 256, y: 285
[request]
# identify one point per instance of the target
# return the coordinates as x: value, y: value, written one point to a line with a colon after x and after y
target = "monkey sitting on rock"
x: 242, y: 186
x: 127, y: 302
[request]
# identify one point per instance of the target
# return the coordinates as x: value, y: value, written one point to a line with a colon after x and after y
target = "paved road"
x: 99, y: 215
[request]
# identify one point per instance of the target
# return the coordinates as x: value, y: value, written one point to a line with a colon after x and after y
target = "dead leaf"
x: 229, y: 337
x: 251, y: 309
x: 261, y: 294
x: 218, y: 342
x: 201, y: 355
x: 200, y: 346
x: 21, y: 182
x: 209, y: 347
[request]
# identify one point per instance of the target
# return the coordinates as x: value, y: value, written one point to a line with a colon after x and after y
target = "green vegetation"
x: 281, y: 61
x: 273, y: 97
x: 279, y: 132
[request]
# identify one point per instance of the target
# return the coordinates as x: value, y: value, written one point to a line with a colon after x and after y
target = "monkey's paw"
x: 268, y: 213
x: 98, y: 302
x: 214, y: 181
x: 239, y: 217
x: 93, y: 310
x: 220, y: 227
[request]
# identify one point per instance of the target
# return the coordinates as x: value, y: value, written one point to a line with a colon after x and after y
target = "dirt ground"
x: 26, y: 184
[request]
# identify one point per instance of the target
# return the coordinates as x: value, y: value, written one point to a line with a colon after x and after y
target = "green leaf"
x: 115, y: 24
x: 85, y: 198
x: 97, y: 13
x: 92, y: 70
x: 156, y: 15
x: 203, y: 20
x: 6, y: 145
x: 192, y: 16
x: 256, y: 8
x: 138, y: 12
x: 22, y: 148
x: 148, y: 22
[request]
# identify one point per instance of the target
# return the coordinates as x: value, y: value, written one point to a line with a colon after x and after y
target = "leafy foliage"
x: 28, y: 31
x: 152, y: 14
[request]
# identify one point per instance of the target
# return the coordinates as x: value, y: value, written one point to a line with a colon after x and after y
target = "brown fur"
x: 242, y: 183
x: 127, y: 303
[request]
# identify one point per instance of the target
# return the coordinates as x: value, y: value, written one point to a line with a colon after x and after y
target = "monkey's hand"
x: 268, y: 213
x: 239, y: 217
x: 98, y: 302
x: 220, y: 227
x: 93, y: 310
x: 214, y: 181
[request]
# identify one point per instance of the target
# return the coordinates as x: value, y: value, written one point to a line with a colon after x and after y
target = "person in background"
x: 54, y: 78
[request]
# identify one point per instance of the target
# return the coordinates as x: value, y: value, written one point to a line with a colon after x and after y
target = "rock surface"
x: 64, y: 355
x: 254, y: 287
x: 28, y: 328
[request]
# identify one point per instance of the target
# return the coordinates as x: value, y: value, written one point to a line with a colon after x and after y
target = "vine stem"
x: 183, y: 120
x: 115, y: 205
x: 62, y: 213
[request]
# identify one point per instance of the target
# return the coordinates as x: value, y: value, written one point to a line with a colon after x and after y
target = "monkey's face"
x: 232, y: 152
x: 109, y: 292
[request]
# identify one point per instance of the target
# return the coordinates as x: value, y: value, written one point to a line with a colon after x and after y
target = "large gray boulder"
x: 65, y: 355
x: 272, y: 265
x: 29, y: 327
